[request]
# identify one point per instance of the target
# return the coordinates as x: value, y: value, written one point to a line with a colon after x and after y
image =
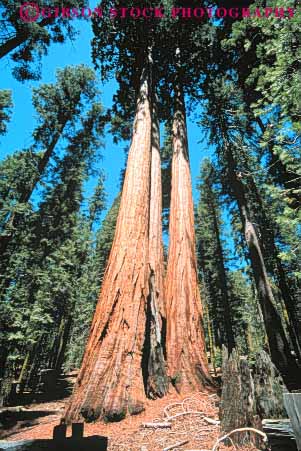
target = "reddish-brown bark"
x: 186, y: 355
x: 157, y: 383
x: 110, y: 383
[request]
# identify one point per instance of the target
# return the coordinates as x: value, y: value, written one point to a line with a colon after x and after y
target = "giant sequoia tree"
x: 147, y: 331
x: 186, y: 356
x: 124, y: 356
x: 111, y: 382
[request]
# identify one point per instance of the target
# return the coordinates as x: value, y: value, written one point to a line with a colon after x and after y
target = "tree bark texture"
x: 110, y: 383
x: 238, y: 404
x: 269, y: 387
x: 155, y: 377
x: 186, y: 355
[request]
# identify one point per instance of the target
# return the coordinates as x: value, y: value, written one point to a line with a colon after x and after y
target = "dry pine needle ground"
x: 190, y: 417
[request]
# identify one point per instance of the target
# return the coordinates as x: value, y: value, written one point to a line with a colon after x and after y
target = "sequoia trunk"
x: 155, y: 372
x: 110, y: 383
x: 186, y: 355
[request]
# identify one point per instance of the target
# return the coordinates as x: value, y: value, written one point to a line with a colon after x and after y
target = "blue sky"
x: 23, y: 119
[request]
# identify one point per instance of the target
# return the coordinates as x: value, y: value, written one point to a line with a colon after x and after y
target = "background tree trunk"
x: 267, y: 231
x: 186, y: 354
x: 229, y: 339
x: 278, y: 343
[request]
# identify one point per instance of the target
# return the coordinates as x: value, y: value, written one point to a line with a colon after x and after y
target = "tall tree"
x: 26, y: 41
x: 110, y: 383
x: 5, y: 110
x: 222, y: 130
x: 225, y: 133
x: 186, y: 356
x: 59, y: 107
x: 211, y: 257
x: 279, y: 346
x: 273, y: 114
x: 119, y: 351
x: 46, y: 259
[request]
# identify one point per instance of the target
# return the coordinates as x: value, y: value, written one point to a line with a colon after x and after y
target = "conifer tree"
x: 124, y: 343
x: 185, y: 342
x: 45, y: 262
x: 227, y: 132
x: 211, y: 258
x: 115, y: 344
x: 59, y: 107
x: 5, y: 110
x: 26, y: 41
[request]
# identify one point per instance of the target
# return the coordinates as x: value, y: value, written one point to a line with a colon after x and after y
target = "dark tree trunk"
x: 12, y: 44
x: 230, y: 341
x: 279, y: 346
x: 60, y: 343
x: 271, y: 254
x: 269, y: 388
x: 238, y: 405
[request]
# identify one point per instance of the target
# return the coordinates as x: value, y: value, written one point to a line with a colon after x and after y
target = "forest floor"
x: 191, y: 417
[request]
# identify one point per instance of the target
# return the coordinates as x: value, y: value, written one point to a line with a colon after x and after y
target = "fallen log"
x: 211, y: 421
x: 240, y: 430
x: 175, y: 445
x: 157, y: 425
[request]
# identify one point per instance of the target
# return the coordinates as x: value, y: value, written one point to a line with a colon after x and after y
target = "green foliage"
x: 211, y: 257
x: 228, y: 293
x: 69, y: 111
x: 17, y: 171
x: 27, y: 42
x: 97, y: 202
x: 5, y: 110
x: 50, y: 247
x: 247, y: 321
x: 59, y: 104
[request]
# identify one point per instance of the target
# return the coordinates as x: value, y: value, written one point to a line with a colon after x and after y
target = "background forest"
x: 59, y: 200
